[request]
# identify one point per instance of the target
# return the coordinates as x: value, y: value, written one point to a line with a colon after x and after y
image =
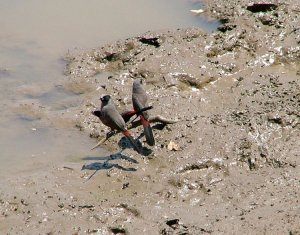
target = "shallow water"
x: 34, y: 37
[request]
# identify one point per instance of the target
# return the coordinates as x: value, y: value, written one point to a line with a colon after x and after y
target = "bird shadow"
x: 159, y: 126
x: 124, y: 144
x: 114, y: 156
x: 145, y: 151
x: 105, y: 165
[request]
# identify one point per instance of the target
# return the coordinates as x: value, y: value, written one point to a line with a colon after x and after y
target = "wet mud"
x: 230, y: 165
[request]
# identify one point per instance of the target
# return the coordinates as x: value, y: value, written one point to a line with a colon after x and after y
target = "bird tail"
x: 132, y: 141
x: 147, y: 131
x: 126, y: 115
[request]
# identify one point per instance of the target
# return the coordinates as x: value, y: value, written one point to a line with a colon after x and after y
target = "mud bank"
x: 235, y: 168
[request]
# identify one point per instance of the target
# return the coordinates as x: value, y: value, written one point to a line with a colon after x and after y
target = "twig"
x: 135, y: 124
x: 69, y: 168
x: 108, y: 135
x: 99, y: 143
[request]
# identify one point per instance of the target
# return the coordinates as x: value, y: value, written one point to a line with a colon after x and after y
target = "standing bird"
x: 112, y: 118
x: 139, y: 100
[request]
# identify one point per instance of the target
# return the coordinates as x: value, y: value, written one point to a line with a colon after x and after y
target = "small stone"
x: 125, y: 185
x: 173, y: 146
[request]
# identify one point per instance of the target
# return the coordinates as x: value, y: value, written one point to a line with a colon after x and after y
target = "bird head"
x: 138, y: 81
x: 105, y: 98
x: 137, y: 84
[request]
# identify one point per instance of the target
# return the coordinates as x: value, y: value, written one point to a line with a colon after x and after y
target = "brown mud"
x: 235, y: 165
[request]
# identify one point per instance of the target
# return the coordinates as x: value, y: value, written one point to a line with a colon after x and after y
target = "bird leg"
x: 135, y: 124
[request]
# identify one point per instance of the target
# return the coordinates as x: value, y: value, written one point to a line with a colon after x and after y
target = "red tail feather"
x: 127, y: 115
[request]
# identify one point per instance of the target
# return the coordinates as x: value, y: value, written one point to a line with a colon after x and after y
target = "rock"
x: 173, y: 146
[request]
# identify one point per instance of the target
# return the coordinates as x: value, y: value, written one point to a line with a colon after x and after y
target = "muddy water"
x: 34, y: 37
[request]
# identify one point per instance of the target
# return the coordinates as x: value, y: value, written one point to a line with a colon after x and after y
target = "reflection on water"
x: 34, y: 37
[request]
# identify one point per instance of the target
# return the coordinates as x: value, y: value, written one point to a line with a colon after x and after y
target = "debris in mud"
x: 111, y: 56
x: 90, y: 207
x: 89, y: 231
x: 217, y: 164
x: 23, y: 202
x: 68, y: 168
x: 150, y: 41
x: 175, y: 224
x: 173, y: 146
x: 125, y: 185
x: 193, y: 81
x: 277, y: 163
x: 197, y: 11
x: 275, y: 118
x: 118, y: 230
x: 245, y: 152
x: 226, y: 27
x: 130, y: 209
x: 261, y: 6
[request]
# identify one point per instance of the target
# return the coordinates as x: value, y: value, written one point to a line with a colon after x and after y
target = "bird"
x: 139, y: 101
x: 110, y: 117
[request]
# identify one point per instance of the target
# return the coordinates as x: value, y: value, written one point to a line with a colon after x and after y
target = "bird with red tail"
x: 110, y: 117
x: 139, y: 100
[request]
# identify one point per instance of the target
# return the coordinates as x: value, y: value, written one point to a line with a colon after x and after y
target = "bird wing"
x: 114, y: 118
